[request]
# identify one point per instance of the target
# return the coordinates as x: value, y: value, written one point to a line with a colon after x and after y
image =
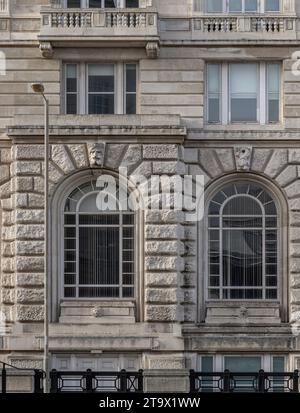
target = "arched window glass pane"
x: 99, y: 246
x: 243, y: 241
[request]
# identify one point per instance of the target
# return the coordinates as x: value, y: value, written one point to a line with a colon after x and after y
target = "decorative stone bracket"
x: 46, y: 49
x: 152, y: 50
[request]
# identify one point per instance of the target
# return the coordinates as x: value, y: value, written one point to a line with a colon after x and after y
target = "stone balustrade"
x: 4, y: 6
x: 250, y: 24
x: 92, y: 18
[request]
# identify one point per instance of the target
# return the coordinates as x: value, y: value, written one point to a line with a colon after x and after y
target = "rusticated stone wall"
x: 23, y: 224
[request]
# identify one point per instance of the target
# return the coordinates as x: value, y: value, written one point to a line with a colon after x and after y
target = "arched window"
x: 98, y: 247
x: 242, y: 244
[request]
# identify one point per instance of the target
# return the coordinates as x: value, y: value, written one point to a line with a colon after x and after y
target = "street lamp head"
x: 38, y: 88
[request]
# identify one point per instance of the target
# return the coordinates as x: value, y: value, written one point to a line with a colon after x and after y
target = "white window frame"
x: 262, y: 95
x: 82, y: 86
x: 264, y: 275
x: 85, y: 4
x: 260, y: 8
x: 219, y: 361
x: 77, y: 285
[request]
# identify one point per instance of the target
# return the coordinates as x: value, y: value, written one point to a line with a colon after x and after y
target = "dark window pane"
x: 130, y: 104
x: 213, y: 110
x: 102, y: 219
x: 71, y: 106
x: 70, y: 267
x: 101, y: 78
x: 94, y: 3
x: 99, y: 256
x: 132, y: 3
x: 70, y: 292
x: 101, y: 104
x: 70, y: 279
x: 214, y: 6
x: 70, y: 232
x: 70, y: 244
x: 271, y: 294
x: 128, y: 292
x: 244, y: 110
x: 273, y: 115
x: 98, y: 292
x: 128, y: 219
x: 73, y: 3
x: 70, y: 219
x: 130, y: 78
x: 110, y: 4
x: 213, y: 294
x: 272, y: 5
x: 70, y: 256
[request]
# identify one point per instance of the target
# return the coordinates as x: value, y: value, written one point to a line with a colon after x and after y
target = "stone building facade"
x: 182, y: 314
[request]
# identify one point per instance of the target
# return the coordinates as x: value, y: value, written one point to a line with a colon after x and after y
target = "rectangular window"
x: 238, y: 6
x: 272, y: 5
x: 71, y: 89
x: 74, y: 4
x: 130, y: 89
x: 97, y: 4
x: 273, y: 81
x: 214, y: 92
x: 100, y: 89
x: 214, y: 6
x: 243, y: 92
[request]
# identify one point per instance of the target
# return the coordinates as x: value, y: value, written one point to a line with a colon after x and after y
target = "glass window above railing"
x: 239, y: 6
x: 96, y: 4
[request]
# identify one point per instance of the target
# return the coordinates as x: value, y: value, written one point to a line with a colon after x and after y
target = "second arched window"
x: 242, y: 244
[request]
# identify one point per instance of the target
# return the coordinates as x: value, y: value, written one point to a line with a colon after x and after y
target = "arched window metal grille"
x: 99, y: 248
x: 242, y: 244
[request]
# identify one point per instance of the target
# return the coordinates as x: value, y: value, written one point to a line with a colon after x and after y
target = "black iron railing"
x: 229, y: 382
x: 11, y: 375
x: 95, y: 382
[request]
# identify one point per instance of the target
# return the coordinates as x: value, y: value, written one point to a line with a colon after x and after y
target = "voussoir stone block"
x: 79, y: 155
x: 164, y: 232
x: 288, y: 175
x: 226, y: 159
x: 295, y: 280
x: 190, y: 155
x: 62, y: 159
x: 132, y: 157
x: 30, y: 312
x: 29, y: 295
x: 160, y: 151
x: 7, y: 296
x: 114, y: 154
x: 278, y: 160
x: 260, y: 158
x: 295, y: 265
x: 23, y: 184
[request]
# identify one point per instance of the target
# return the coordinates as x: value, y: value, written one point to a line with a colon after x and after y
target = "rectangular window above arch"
x: 100, y: 88
x: 103, y: 4
x: 243, y: 92
x: 237, y: 6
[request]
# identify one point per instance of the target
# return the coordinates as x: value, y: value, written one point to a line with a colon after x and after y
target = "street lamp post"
x: 39, y: 89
